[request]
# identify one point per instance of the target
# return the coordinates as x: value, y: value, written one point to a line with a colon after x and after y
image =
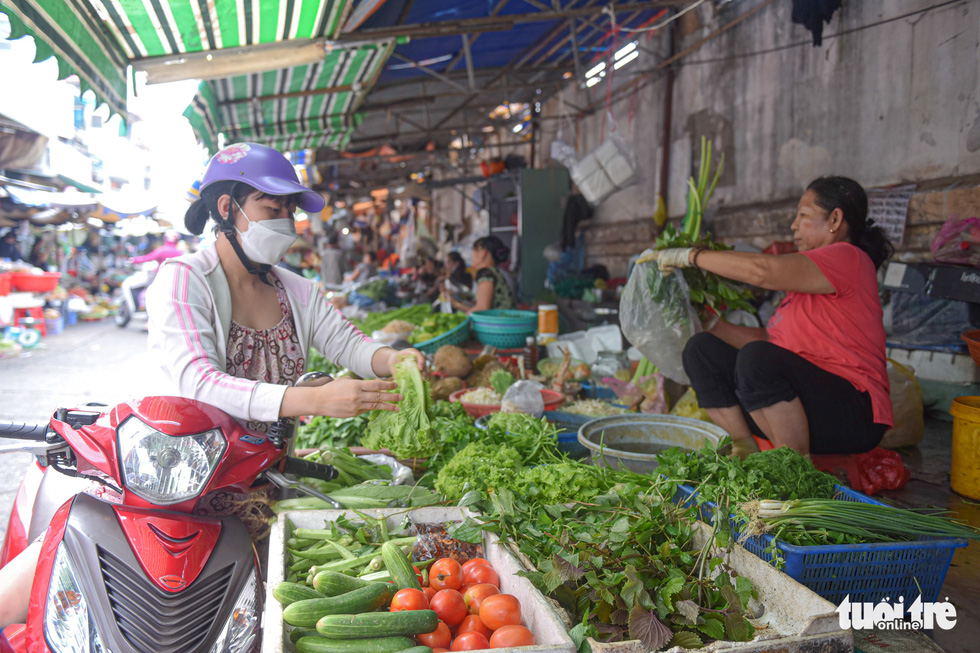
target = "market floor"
x: 99, y: 362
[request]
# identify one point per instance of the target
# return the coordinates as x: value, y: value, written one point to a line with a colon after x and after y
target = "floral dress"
x: 272, y: 356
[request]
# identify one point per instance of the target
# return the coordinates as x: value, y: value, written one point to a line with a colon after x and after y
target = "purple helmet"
x: 263, y: 168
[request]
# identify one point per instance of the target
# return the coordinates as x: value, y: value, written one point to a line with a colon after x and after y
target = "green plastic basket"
x: 506, y: 329
x: 455, y: 336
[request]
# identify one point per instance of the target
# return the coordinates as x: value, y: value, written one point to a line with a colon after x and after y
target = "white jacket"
x: 189, y: 306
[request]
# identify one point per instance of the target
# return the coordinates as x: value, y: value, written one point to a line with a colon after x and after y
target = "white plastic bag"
x: 523, y: 397
x: 400, y: 474
x: 656, y: 316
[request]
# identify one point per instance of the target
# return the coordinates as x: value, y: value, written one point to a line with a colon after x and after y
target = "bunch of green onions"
x: 865, y: 520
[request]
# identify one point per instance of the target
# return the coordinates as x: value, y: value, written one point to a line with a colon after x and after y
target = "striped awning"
x: 303, y: 106
x: 293, y: 108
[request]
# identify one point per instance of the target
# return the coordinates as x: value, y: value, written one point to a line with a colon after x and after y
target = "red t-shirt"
x: 841, y: 332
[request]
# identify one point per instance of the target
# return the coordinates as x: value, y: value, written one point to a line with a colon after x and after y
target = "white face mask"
x: 266, y: 241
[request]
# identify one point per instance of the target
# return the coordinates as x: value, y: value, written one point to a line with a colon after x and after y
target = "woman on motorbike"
x: 234, y: 330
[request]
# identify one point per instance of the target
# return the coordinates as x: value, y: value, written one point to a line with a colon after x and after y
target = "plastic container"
x: 502, y: 328
x: 869, y: 573
x: 552, y: 400
x: 71, y: 317
x: 964, y: 476
x: 54, y: 325
x: 548, y: 318
x: 455, y: 336
x: 6, y: 282
x: 972, y: 340
x: 633, y: 441
x: 29, y: 282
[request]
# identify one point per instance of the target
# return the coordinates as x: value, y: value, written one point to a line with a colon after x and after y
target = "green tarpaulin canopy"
x: 98, y: 39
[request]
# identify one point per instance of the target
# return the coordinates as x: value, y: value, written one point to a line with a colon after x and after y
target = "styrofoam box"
x: 937, y: 365
x: 539, y: 616
x: 797, y: 619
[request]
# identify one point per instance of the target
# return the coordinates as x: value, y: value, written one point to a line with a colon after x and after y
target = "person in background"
x: 332, y: 261
x: 9, y: 248
x: 456, y: 269
x: 814, y: 379
x: 426, y: 280
x: 366, y: 269
x: 492, y: 289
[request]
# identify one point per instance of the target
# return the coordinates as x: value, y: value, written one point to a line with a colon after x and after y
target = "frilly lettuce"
x: 408, y: 433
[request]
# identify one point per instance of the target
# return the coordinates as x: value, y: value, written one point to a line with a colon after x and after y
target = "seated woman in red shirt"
x: 815, y: 378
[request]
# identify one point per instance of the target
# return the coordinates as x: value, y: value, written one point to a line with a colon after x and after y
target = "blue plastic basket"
x: 865, y: 572
x: 506, y: 329
x: 455, y: 336
x: 596, y: 392
x: 567, y: 432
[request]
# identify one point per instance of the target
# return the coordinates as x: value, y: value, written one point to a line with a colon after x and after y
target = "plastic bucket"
x: 54, y: 325
x: 964, y: 476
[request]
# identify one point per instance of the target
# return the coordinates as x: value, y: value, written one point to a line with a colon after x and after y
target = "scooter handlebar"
x: 300, y: 467
x: 23, y: 431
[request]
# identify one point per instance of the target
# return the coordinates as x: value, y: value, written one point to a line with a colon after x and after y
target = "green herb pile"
x: 331, y: 432
x: 375, y: 321
x: 561, y: 482
x: 624, y: 564
x: 408, y: 433
x: 479, y: 466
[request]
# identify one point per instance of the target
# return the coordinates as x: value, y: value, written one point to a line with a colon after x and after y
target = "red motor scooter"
x: 131, y: 569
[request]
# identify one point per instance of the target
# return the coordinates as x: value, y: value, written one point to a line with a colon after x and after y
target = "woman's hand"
x: 384, y: 361
x: 345, y: 397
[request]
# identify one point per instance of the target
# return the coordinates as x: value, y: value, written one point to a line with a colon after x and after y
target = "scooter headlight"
x: 167, y: 469
x: 67, y: 625
x: 242, y: 629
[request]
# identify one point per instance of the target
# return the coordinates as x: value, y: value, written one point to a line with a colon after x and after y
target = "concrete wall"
x: 888, y: 101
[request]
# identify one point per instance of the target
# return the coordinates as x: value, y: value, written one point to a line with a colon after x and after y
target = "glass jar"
x: 610, y: 364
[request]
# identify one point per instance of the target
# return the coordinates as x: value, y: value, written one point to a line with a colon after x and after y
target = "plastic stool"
x: 35, y: 315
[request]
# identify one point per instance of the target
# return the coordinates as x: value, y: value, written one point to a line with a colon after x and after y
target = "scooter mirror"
x: 313, y: 380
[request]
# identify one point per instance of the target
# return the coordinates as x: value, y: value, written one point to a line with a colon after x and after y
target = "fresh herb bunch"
x: 623, y: 565
x: 480, y: 465
x: 707, y: 288
x: 331, y: 432
x: 408, y: 433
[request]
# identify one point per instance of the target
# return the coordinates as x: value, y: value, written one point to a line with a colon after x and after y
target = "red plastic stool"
x: 36, y: 314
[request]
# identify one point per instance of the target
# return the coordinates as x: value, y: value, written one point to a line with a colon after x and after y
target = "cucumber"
x: 417, y: 649
x: 287, y: 593
x: 376, y: 645
x: 377, y: 624
x: 302, y: 632
x: 399, y: 566
x: 307, y: 612
x: 334, y: 583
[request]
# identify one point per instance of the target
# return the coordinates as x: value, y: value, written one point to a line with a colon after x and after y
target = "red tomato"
x: 472, y: 623
x: 476, y: 594
x: 446, y: 574
x: 478, y: 574
x: 508, y: 636
x: 429, y: 593
x: 449, y: 605
x: 475, y: 561
x: 471, y: 641
x: 409, y: 599
x: 439, y: 649
x: 438, y: 638
x: 500, y: 610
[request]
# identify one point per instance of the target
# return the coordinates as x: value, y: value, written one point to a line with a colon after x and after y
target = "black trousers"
x: 761, y: 374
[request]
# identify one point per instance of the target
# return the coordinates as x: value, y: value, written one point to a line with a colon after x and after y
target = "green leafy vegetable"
x: 478, y: 466
x: 331, y: 432
x: 500, y: 380
x: 408, y: 433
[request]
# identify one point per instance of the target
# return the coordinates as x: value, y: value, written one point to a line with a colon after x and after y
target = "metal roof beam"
x: 429, y: 71
x: 469, y: 61
x: 493, y: 23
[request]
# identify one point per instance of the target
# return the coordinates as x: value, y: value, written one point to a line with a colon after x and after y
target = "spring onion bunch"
x: 865, y: 520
